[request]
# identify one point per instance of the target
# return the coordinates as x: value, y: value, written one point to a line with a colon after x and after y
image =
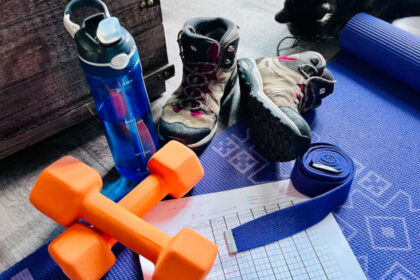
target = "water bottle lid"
x: 109, y: 31
x: 103, y: 45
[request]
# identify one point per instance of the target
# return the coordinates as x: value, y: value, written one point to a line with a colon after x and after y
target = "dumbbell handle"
x: 142, y: 199
x: 127, y: 228
x: 145, y: 195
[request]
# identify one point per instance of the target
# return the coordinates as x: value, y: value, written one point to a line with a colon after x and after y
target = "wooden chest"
x: 42, y: 86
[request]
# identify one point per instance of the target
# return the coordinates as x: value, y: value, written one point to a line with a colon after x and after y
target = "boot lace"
x: 309, y: 72
x: 298, y: 40
x: 195, y: 81
x: 196, y: 77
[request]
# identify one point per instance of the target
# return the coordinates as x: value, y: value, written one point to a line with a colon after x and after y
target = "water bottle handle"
x: 72, y: 27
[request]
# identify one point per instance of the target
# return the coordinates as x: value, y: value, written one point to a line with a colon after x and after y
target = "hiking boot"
x: 279, y: 89
x: 208, y: 50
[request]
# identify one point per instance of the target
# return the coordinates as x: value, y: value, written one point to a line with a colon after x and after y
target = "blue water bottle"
x: 110, y: 60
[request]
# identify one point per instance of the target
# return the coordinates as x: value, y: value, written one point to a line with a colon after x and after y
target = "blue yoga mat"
x: 373, y: 117
x: 384, y: 46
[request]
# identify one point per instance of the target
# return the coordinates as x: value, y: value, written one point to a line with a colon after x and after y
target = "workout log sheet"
x: 320, y: 252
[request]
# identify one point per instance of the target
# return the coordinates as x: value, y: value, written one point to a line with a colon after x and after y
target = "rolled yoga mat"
x: 384, y: 46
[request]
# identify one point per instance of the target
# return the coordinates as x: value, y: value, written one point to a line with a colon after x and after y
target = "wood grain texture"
x: 57, y: 122
x: 42, y: 86
x: 18, y: 10
x: 19, y: 234
x: 46, y: 44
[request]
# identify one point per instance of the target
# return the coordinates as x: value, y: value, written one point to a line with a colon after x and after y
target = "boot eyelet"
x: 196, y: 79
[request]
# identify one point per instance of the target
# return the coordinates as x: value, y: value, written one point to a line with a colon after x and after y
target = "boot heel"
x: 231, y: 83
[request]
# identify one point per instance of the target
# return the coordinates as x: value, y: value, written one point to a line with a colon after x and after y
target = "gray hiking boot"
x: 208, y: 51
x: 279, y: 89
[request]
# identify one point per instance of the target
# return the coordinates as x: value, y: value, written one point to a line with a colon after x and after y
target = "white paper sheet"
x: 321, y: 252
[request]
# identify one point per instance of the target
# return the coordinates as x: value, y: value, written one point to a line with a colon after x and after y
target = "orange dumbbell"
x: 68, y: 190
x: 174, y: 169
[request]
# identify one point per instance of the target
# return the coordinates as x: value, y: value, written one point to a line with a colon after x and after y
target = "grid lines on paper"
x: 302, y: 256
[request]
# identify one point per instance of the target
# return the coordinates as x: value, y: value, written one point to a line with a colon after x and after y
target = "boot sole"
x: 201, y: 145
x: 275, y: 135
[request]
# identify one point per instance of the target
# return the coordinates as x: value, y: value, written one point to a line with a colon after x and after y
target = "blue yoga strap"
x: 325, y: 172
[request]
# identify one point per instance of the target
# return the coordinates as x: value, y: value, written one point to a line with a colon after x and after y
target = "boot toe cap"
x: 181, y: 132
x: 298, y: 120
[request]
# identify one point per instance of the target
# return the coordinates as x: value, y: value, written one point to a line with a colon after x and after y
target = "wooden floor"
x: 22, y: 228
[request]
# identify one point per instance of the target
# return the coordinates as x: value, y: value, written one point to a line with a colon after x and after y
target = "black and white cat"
x: 314, y: 19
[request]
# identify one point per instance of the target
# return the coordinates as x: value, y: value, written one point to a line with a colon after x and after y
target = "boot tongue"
x: 198, y: 48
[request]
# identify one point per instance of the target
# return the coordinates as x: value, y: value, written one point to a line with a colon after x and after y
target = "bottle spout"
x: 109, y: 31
